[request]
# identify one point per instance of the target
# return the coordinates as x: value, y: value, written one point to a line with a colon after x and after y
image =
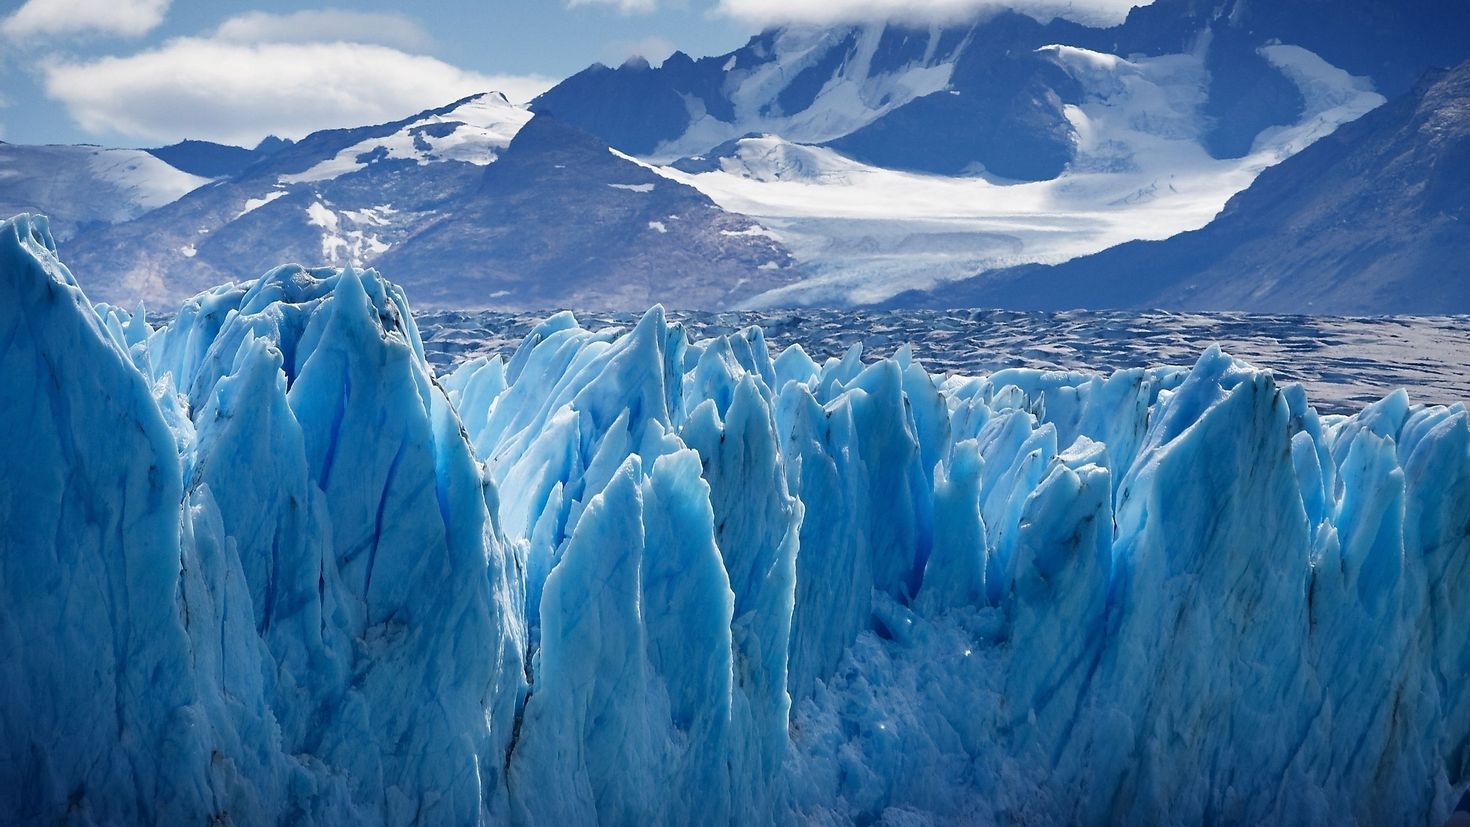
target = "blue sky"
x: 150, y: 72
x: 527, y: 43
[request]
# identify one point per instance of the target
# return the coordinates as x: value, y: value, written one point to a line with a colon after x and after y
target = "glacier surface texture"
x: 262, y: 565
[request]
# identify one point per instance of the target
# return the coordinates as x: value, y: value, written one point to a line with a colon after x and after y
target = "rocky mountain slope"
x: 562, y: 221
x: 1373, y: 219
x: 353, y: 197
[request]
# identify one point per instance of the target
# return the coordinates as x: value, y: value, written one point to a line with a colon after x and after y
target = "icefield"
x: 261, y: 565
x: 1142, y: 171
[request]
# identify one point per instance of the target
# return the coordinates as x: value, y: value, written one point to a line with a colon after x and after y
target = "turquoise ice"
x: 261, y: 565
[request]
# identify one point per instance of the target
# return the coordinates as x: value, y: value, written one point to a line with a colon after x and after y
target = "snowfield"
x: 1142, y: 172
x: 263, y: 565
x: 474, y: 132
x: 853, y: 97
x: 82, y: 185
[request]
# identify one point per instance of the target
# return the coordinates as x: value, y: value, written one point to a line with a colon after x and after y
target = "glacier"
x: 262, y: 564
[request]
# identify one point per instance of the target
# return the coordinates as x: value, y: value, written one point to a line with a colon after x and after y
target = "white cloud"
x: 624, y: 6
x: 654, y: 49
x: 237, y: 93
x: 61, y: 17
x: 827, y: 12
x: 326, y: 26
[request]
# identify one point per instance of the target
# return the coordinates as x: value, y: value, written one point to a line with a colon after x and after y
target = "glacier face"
x: 262, y: 565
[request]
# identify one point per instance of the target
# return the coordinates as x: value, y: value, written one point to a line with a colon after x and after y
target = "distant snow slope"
x: 1135, y: 131
x: 561, y: 221
x: 1141, y: 171
x: 82, y: 185
x: 852, y: 94
x: 871, y: 83
x: 473, y: 131
x: 1369, y: 220
x: 466, y: 203
x: 336, y: 197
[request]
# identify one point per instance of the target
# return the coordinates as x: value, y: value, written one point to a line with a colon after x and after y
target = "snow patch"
x: 379, y: 216
x: 475, y: 133
x: 754, y: 230
x: 1333, y: 97
x: 253, y: 204
x: 353, y: 246
x: 145, y: 179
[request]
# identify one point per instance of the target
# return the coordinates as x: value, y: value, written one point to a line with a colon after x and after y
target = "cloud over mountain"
x: 260, y: 74
x: 826, y: 12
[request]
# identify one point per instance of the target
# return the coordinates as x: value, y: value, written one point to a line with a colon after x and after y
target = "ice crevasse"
x: 261, y: 565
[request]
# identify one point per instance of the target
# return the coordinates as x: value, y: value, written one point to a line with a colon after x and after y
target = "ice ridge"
x: 261, y: 565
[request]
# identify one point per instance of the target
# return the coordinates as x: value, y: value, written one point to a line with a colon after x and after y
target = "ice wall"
x: 260, y: 565
x: 251, y: 569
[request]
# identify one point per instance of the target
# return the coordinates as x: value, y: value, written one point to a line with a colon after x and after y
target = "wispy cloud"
x: 237, y: 92
x: 128, y: 18
x: 625, y: 6
x: 327, y: 26
x: 827, y: 12
x: 653, y: 49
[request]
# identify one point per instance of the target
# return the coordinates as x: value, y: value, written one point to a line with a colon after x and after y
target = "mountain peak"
x: 271, y: 143
x: 544, y: 133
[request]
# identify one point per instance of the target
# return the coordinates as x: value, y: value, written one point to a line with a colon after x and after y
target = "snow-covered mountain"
x: 563, y: 221
x: 845, y: 165
x: 815, y: 85
x: 1006, y: 140
x: 327, y: 199
x: 81, y: 187
x: 1141, y: 169
x: 262, y: 566
x: 355, y: 197
x: 984, y: 94
x: 1370, y: 220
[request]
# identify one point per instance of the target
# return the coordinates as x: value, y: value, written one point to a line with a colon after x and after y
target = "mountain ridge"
x: 350, y: 196
x: 886, y: 157
x: 1369, y: 220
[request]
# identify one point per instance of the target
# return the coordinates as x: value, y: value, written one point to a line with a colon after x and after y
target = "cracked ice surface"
x: 262, y: 565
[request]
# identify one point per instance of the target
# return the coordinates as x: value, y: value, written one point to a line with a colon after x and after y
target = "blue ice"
x: 260, y: 564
